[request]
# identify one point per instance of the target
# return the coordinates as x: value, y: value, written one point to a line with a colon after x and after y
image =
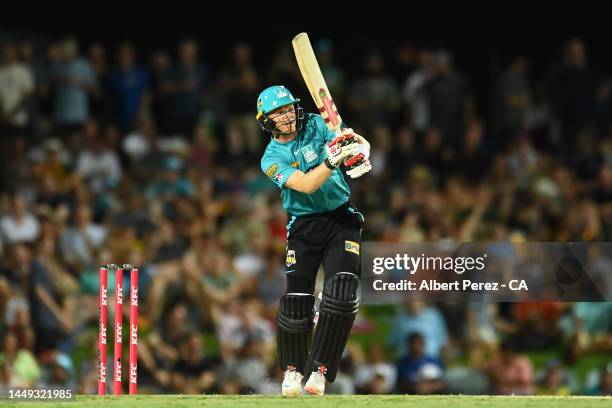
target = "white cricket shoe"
x: 316, y: 383
x: 292, y: 383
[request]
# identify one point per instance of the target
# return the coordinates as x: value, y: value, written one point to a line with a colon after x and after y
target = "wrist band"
x: 328, y: 164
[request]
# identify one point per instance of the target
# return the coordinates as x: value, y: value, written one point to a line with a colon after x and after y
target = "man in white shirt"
x: 16, y: 86
x: 98, y: 165
x: 19, y: 226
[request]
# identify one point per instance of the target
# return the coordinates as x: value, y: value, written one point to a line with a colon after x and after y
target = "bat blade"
x: 311, y: 72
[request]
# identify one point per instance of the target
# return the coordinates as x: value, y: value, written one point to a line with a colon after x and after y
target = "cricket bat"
x: 307, y: 61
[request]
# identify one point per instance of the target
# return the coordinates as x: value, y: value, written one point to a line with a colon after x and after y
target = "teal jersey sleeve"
x: 277, y: 168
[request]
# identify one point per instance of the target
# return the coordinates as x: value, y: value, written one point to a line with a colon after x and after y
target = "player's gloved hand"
x: 357, y: 165
x: 341, y: 147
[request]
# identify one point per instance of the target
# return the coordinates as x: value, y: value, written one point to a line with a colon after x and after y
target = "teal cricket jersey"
x: 305, y: 152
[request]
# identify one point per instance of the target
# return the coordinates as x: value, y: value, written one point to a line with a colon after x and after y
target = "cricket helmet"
x: 272, y: 98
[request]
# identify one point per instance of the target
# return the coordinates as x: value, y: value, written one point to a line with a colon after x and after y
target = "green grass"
x: 189, y: 401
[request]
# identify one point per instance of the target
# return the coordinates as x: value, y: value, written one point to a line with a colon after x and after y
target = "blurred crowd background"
x: 114, y: 154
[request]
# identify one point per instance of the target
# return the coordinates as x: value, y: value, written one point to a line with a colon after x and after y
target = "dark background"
x: 482, y: 38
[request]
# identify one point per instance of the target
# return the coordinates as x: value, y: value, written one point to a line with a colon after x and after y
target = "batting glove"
x: 340, y: 148
x: 357, y: 165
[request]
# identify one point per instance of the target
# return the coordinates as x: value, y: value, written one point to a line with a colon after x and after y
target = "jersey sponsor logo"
x: 290, y: 258
x: 279, y: 177
x: 295, y: 164
x: 271, y: 171
x: 351, y: 246
x: 309, y: 153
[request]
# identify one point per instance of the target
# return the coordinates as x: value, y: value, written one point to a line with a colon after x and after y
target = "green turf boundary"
x: 352, y: 401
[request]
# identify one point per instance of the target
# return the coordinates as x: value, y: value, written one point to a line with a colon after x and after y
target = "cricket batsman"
x: 303, y: 158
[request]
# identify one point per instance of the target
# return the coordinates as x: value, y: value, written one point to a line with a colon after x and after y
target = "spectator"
x: 30, y: 58
x: 510, y: 372
x: 135, y: 215
x: 554, y: 381
x: 573, y: 88
x: 203, y: 151
x: 588, y: 329
x: 186, y: 84
x: 60, y: 372
x: 248, y: 369
x: 97, y: 163
x: 170, y: 185
x: 242, y: 324
x: 374, y: 98
x: 427, y: 321
x: 381, y: 151
x: 472, y: 158
x: 194, y: 372
x: 482, y: 323
x: 143, y: 148
x: 270, y: 286
x: 522, y: 160
x: 74, y: 82
x: 46, y: 87
x: 603, y: 191
x: 131, y: 85
x: 22, y: 368
x: 414, y: 92
x: 15, y: 313
x: 537, y: 324
x: 605, y: 383
x: 79, y: 241
x: 514, y: 99
x: 404, y: 156
x: 376, y: 376
x: 218, y: 284
x: 54, y: 165
x: 16, y: 87
x: 159, y: 352
x: 418, y: 373
x: 51, y: 321
x: 162, y: 105
x: 242, y: 87
x: 100, y: 100
x: 449, y: 98
x: 19, y: 225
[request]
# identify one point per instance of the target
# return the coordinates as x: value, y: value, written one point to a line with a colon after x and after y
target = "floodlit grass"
x: 352, y: 401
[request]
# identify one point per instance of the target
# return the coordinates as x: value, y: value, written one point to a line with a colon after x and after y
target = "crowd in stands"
x: 114, y: 154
